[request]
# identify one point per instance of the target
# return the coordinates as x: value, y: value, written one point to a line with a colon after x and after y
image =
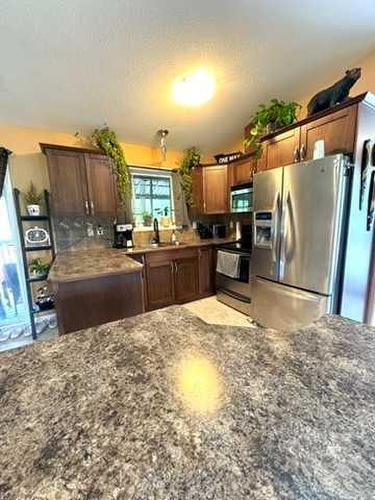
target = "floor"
x: 18, y: 334
x: 216, y: 313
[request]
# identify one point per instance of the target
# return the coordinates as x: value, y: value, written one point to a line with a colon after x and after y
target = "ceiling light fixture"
x: 194, y: 89
x: 162, y: 133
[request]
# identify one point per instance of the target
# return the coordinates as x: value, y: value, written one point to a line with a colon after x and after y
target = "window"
x: 14, y: 313
x: 152, y: 196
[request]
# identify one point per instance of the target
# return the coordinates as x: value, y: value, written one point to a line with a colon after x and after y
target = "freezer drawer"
x: 285, y: 308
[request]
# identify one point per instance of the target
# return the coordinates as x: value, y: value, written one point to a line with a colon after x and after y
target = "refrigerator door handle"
x: 275, y: 235
x: 284, y: 235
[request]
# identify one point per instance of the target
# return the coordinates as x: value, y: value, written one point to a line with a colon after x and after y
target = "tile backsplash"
x: 71, y: 232
x: 76, y: 231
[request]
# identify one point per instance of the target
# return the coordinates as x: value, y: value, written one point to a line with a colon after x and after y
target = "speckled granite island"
x: 95, y: 286
x: 163, y: 405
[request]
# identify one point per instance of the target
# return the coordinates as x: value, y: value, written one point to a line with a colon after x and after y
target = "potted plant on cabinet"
x: 38, y: 268
x: 268, y: 119
x: 33, y: 200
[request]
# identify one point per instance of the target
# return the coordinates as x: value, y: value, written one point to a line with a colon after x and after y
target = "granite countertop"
x: 102, y: 261
x: 163, y: 405
x: 93, y: 263
x: 190, y: 244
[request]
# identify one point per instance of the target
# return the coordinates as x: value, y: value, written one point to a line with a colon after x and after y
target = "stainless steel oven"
x: 242, y: 198
x: 235, y: 291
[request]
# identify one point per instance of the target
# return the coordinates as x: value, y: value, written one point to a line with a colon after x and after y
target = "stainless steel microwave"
x: 241, y: 198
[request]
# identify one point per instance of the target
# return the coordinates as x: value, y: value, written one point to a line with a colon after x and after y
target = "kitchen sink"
x: 164, y: 244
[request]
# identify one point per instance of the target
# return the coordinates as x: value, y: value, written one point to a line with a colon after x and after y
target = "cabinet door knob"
x: 296, y: 155
x: 302, y: 152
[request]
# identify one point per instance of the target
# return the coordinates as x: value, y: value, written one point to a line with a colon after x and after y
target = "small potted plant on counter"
x: 147, y: 219
x: 33, y: 200
x: 38, y: 268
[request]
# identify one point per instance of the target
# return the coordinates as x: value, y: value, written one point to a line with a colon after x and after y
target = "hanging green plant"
x: 106, y: 139
x: 190, y: 160
x: 268, y: 119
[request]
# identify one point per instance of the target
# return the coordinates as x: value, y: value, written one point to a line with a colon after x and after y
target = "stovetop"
x: 236, y: 246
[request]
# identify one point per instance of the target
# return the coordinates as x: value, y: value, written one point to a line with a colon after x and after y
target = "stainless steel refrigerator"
x: 303, y: 252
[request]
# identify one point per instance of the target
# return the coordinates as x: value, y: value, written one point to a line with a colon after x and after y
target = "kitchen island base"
x: 91, y: 302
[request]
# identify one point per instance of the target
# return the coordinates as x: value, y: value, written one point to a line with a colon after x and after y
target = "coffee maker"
x: 123, y: 236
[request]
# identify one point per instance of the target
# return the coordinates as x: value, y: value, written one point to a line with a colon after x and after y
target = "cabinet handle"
x: 175, y: 267
x: 87, y: 207
x: 92, y: 208
x: 296, y: 155
x: 302, y: 152
x: 172, y: 267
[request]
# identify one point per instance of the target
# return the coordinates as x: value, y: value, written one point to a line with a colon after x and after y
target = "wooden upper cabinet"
x: 241, y: 171
x: 68, y: 181
x: 336, y: 129
x: 281, y: 150
x: 215, y: 189
x: 197, y: 190
x: 82, y: 181
x: 101, y: 185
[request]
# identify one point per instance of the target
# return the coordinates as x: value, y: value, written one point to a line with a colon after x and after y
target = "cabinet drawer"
x: 169, y: 255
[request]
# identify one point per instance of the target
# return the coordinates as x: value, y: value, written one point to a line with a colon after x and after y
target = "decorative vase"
x: 33, y: 210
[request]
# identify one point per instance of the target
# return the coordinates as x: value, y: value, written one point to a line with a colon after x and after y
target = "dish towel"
x: 228, y: 263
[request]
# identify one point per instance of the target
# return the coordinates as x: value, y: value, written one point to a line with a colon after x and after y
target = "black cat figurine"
x: 335, y: 94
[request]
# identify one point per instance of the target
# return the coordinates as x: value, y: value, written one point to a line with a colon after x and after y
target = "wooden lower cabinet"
x: 186, y: 278
x: 160, y: 284
x: 206, y: 271
x: 178, y: 276
x: 90, y: 302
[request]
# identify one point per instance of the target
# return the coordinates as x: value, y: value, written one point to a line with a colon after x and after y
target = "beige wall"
x: 366, y: 83
x: 28, y: 163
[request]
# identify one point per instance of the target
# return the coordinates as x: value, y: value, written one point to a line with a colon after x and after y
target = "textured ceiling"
x: 74, y: 64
